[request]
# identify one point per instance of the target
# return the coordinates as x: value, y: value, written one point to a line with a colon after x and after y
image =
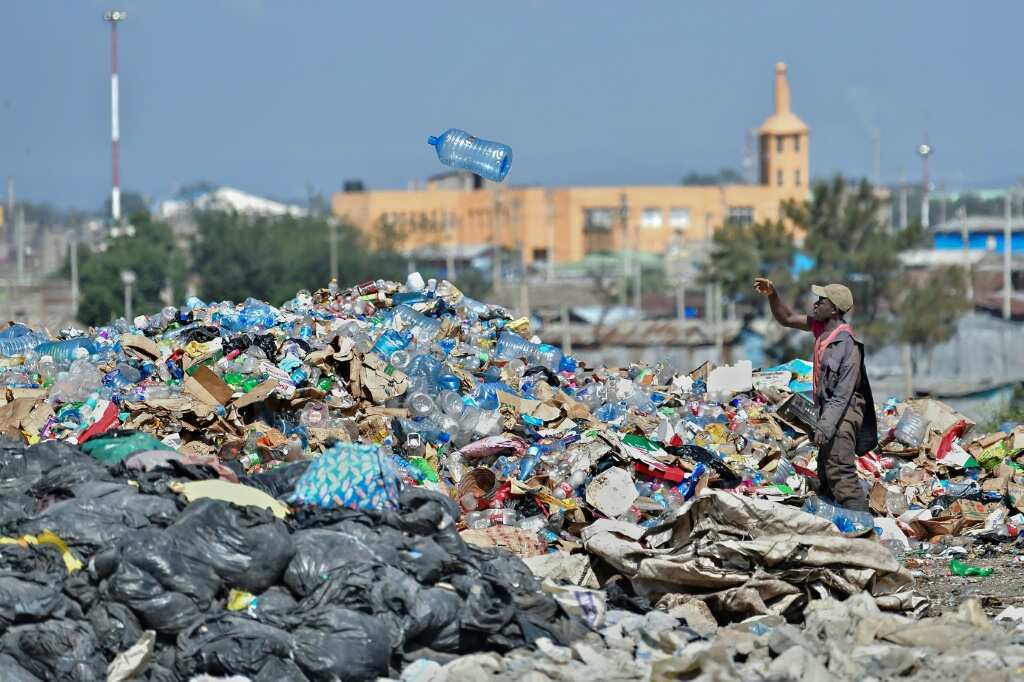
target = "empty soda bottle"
x: 459, y: 149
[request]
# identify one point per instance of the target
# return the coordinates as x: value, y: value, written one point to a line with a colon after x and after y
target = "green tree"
x: 726, y: 176
x: 849, y: 243
x: 739, y: 253
x: 150, y: 253
x: 272, y: 257
x: 927, y: 311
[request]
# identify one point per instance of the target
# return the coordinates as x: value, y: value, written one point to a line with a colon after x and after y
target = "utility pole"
x: 115, y: 16
x: 626, y: 261
x: 449, y: 256
x: 1008, y: 256
x: 903, y: 200
x: 924, y: 150
x: 19, y: 226
x: 128, y: 280
x: 74, y: 274
x: 524, y: 284
x: 709, y: 288
x: 550, y: 223
x: 332, y: 226
x: 638, y: 275
x: 965, y: 239
x: 9, y: 215
x: 719, y: 332
x: 876, y: 161
x: 496, y: 243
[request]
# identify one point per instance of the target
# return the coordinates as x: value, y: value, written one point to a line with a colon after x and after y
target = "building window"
x: 796, y: 177
x: 741, y: 215
x: 796, y: 144
x: 679, y: 217
x: 598, y: 219
x: 778, y: 144
x: 540, y: 255
x: 650, y: 218
x: 778, y: 178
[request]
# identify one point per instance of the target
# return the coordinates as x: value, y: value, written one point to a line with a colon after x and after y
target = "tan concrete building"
x: 460, y: 210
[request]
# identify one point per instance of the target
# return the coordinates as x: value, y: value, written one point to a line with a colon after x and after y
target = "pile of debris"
x: 257, y: 489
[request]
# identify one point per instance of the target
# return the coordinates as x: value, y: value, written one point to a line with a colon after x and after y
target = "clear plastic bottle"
x: 911, y: 429
x: 459, y: 149
x: 783, y: 471
x: 451, y: 403
x: 512, y: 346
x: 421, y: 405
x: 549, y: 356
x: 17, y: 345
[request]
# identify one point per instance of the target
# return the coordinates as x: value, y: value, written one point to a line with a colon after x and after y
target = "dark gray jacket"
x: 843, y: 374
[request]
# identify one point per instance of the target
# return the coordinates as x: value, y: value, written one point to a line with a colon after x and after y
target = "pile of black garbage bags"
x: 331, y: 595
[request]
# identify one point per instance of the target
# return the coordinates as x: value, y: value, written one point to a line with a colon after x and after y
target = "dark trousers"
x: 837, y: 465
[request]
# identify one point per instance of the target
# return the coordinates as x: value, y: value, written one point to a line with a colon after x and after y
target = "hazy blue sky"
x: 271, y: 95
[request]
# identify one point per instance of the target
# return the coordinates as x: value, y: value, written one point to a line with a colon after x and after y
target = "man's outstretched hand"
x: 764, y: 286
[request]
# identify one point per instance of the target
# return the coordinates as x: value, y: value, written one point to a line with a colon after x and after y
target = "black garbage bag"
x: 46, y: 469
x: 99, y: 513
x: 434, y: 621
x: 279, y: 482
x: 276, y: 600
x: 425, y: 512
x: 13, y: 672
x: 341, y: 644
x: 158, y: 608
x: 14, y: 509
x: 280, y: 670
x: 19, y: 473
x: 319, y: 552
x: 116, y: 627
x: 26, y: 598
x: 169, y: 577
x: 62, y: 650
x: 225, y: 644
x: 200, y: 334
x: 247, y: 547
x: 727, y: 477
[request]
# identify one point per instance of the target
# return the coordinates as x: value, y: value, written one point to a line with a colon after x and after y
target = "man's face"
x: 823, y: 309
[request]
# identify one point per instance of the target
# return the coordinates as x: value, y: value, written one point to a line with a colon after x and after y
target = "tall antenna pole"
x: 114, y: 16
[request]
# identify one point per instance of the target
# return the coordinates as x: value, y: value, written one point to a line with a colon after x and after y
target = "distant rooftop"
x: 228, y: 199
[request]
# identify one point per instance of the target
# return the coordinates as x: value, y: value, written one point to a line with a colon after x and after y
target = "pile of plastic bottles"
x: 463, y: 419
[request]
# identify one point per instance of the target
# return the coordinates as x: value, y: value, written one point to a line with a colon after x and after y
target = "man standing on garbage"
x: 846, y: 425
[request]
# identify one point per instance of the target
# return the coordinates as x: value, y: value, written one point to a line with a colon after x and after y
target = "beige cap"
x: 837, y: 293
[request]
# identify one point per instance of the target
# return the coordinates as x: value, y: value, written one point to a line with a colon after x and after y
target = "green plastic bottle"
x: 957, y: 567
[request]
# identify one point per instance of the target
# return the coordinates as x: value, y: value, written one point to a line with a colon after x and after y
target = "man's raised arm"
x: 782, y: 313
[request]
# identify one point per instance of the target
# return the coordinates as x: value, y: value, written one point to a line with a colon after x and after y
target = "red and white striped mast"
x: 114, y: 16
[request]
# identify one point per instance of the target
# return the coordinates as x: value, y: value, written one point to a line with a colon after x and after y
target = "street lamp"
x: 128, y: 280
x: 924, y: 151
x: 115, y: 16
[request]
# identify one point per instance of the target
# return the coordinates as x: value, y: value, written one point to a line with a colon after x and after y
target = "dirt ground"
x: 1005, y: 587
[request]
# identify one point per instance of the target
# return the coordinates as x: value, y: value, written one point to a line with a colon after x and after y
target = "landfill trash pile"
x: 365, y: 477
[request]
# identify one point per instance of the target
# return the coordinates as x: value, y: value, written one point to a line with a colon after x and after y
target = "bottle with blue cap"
x: 459, y: 149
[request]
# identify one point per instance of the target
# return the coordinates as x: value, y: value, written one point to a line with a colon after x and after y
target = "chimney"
x: 781, y: 89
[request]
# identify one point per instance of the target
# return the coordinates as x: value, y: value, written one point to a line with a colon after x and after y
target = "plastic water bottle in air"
x: 459, y: 149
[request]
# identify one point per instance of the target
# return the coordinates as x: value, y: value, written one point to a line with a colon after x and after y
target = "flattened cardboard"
x: 141, y: 345
x: 381, y: 379
x: 207, y: 387
x: 256, y: 395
